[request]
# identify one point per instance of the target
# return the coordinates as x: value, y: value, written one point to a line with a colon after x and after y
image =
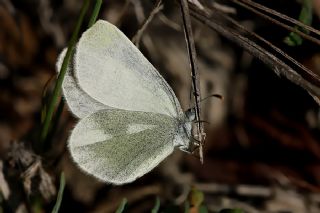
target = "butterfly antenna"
x: 201, y: 121
x: 213, y: 95
x: 209, y: 96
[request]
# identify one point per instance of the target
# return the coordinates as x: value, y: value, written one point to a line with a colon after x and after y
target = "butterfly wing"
x: 114, y: 72
x: 118, y: 146
x: 79, y: 102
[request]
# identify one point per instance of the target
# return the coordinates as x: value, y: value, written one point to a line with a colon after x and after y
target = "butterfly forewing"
x: 79, y: 102
x: 114, y: 72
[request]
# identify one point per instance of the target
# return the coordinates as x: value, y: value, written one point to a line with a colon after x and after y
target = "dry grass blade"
x: 280, y: 15
x: 292, y: 29
x: 278, y: 66
x: 137, y: 37
x: 306, y: 72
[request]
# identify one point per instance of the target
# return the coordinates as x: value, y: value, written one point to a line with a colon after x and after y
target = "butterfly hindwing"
x: 118, y: 146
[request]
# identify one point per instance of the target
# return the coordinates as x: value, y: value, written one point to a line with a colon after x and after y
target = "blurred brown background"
x: 262, y: 150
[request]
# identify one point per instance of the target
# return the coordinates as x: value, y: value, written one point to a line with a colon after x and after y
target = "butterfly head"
x: 184, y: 139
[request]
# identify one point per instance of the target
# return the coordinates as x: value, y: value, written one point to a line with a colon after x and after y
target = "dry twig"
x: 306, y: 72
x: 292, y: 29
x: 278, y: 66
x: 279, y: 15
x: 194, y: 72
x: 137, y: 37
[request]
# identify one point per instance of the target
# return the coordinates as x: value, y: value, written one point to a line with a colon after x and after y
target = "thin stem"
x: 95, y: 13
x: 60, y: 194
x: 194, y: 70
x: 137, y: 37
x: 57, y: 88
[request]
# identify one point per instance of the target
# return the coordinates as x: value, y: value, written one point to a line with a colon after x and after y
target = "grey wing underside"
x: 118, y: 146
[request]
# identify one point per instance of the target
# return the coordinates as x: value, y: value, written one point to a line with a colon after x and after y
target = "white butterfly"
x: 130, y: 119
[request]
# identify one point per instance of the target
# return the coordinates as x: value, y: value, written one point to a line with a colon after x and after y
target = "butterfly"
x: 129, y: 117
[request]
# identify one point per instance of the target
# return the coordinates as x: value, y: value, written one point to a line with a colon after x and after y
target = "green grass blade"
x: 186, y: 207
x: 57, y: 88
x: 54, y: 126
x: 156, y: 206
x: 122, y: 206
x: 294, y: 39
x: 95, y: 13
x: 60, y: 194
x: 203, y: 209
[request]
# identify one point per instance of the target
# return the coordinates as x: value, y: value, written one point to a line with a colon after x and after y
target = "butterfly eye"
x: 190, y: 114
